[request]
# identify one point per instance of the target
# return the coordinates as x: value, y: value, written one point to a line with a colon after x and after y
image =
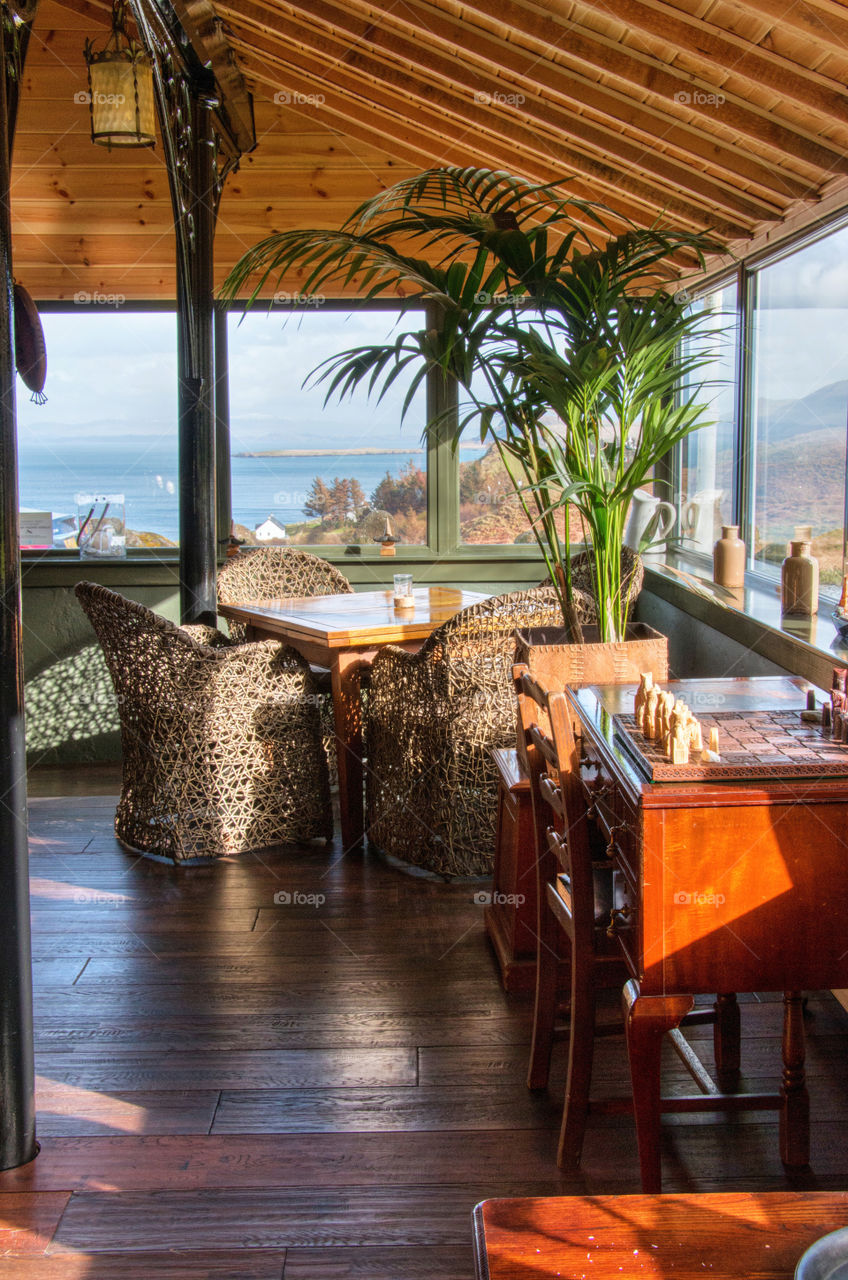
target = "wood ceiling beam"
x: 420, y: 146
x: 731, y: 54
x: 332, y: 60
x: 203, y: 28
x: 551, y: 98
x: 542, y: 30
x: 822, y: 24
x: 430, y: 25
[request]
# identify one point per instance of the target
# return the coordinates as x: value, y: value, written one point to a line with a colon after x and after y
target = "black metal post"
x: 197, y: 445
x: 17, y: 1077
x: 222, y: 430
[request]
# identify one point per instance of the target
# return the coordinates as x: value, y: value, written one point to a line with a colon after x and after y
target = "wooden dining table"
x: 345, y: 633
x: 723, y: 1235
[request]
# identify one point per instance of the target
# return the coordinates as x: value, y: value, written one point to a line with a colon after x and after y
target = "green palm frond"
x: 579, y: 397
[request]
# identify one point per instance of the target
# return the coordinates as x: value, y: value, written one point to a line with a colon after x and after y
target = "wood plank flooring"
x: 301, y: 1066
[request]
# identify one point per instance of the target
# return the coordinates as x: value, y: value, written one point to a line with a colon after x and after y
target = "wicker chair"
x: 221, y: 741
x: 271, y: 573
x: 433, y: 719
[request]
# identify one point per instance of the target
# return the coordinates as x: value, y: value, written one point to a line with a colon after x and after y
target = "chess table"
x: 760, y: 743
x: 721, y: 883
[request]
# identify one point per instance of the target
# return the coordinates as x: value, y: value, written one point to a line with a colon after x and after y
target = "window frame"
x: 746, y: 274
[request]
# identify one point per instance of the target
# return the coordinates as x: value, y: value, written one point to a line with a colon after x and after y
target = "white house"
x: 270, y: 530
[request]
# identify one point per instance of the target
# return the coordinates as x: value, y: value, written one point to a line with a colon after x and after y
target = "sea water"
x: 145, y: 470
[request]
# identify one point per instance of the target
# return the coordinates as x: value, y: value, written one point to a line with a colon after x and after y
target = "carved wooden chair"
x: 221, y: 741
x: 577, y: 948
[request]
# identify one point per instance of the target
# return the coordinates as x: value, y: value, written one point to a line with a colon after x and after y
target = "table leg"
x: 646, y: 1020
x: 795, y: 1112
x: 727, y: 1040
x: 345, y: 674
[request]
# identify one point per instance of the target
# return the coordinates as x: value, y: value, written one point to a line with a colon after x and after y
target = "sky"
x: 110, y: 369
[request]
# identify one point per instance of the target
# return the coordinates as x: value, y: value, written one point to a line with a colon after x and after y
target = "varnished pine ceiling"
x: 725, y: 115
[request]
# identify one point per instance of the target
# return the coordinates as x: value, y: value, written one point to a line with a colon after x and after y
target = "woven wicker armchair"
x: 433, y: 719
x: 271, y: 573
x: 221, y: 741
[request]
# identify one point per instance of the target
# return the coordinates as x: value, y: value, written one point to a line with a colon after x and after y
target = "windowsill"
x: 752, y: 616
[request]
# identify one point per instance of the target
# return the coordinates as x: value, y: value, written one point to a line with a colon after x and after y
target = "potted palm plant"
x: 563, y: 334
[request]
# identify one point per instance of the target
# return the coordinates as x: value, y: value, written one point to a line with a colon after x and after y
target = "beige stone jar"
x: 799, y: 581
x: 729, y: 558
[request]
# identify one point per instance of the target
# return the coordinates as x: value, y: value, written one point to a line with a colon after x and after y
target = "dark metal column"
x: 17, y: 1079
x: 222, y: 430
x: 195, y: 338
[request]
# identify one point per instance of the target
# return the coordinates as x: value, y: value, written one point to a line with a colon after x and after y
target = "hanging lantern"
x: 120, y: 89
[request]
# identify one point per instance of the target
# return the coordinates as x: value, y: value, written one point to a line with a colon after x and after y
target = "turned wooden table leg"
x: 646, y: 1020
x: 795, y: 1113
x: 727, y: 1039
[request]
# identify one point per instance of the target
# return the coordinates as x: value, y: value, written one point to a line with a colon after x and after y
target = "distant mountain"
x: 825, y: 407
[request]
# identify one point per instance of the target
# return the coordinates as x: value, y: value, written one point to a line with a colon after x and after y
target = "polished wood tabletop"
x: 725, y: 1236
x: 365, y: 618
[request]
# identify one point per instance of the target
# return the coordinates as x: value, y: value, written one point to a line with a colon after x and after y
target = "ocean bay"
x: 145, y: 469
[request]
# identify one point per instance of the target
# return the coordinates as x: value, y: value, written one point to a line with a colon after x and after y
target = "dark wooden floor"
x: 304, y: 1066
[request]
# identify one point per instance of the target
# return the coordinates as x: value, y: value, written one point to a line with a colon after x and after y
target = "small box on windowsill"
x: 36, y: 529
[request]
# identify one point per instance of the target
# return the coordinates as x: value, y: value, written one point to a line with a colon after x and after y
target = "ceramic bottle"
x: 729, y: 558
x: 799, y: 581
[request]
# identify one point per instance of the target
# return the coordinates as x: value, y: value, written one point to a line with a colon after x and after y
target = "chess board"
x: 763, y: 744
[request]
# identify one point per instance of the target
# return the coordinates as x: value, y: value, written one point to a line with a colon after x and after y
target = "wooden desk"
x: 725, y: 1236
x: 720, y: 886
x: 344, y: 633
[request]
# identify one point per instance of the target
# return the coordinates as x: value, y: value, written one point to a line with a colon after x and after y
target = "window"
x: 306, y: 473
x: 775, y: 461
x: 799, y: 403
x: 705, y: 498
x: 109, y: 425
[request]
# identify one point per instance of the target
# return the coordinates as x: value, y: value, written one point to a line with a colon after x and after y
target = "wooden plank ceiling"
x: 729, y: 114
